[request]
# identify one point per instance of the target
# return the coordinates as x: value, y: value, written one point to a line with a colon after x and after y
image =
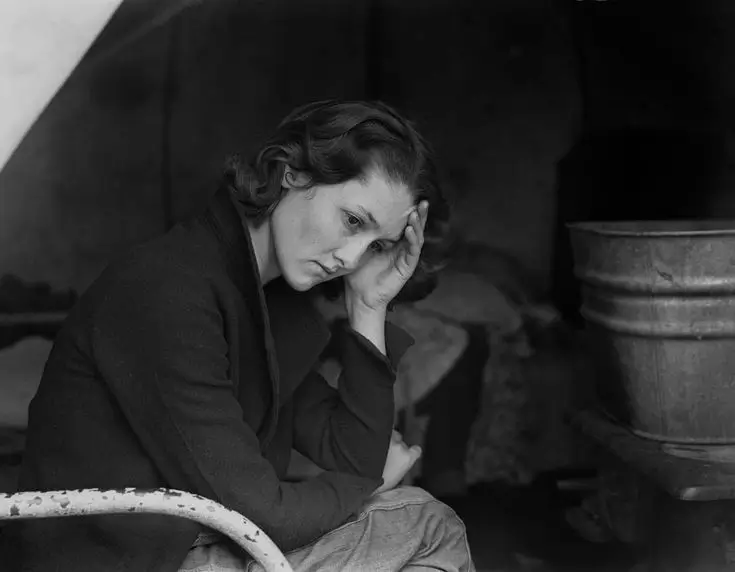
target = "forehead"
x: 388, y: 202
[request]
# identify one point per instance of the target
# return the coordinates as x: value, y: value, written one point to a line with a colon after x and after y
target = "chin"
x: 294, y: 274
x: 300, y: 283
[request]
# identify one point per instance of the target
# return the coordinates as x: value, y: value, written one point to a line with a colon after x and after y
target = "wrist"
x: 369, y: 322
x: 361, y: 311
x: 356, y: 306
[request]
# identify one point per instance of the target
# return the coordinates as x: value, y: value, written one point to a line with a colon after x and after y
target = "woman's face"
x: 328, y: 231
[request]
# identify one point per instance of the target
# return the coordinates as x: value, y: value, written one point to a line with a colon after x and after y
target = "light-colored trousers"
x: 402, y: 529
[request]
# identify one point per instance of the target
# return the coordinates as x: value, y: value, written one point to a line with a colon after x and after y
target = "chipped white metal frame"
x: 48, y: 504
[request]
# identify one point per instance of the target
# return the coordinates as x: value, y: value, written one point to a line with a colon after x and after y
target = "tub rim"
x: 681, y: 228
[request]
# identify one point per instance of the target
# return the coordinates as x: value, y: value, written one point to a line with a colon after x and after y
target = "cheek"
x: 301, y: 228
x: 321, y: 233
x: 312, y: 229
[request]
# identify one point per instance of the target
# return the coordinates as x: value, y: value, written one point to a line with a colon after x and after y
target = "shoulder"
x: 174, y: 269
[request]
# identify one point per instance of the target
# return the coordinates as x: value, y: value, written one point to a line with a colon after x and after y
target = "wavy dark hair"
x: 333, y: 142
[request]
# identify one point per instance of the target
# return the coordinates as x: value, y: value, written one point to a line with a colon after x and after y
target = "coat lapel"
x: 300, y: 334
x: 293, y: 332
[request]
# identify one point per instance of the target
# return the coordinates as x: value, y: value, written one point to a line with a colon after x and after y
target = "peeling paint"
x: 81, y: 502
x: 63, y: 502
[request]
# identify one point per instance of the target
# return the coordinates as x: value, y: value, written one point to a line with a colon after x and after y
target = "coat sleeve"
x: 161, y: 350
x: 349, y: 429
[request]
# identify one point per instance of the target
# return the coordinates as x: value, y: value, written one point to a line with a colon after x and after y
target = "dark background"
x: 541, y: 111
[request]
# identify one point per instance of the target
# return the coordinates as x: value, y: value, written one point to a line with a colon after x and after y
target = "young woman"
x: 191, y: 364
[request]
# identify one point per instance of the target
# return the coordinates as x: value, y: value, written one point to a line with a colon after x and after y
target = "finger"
x: 413, y: 246
x: 412, y: 250
x: 417, y: 224
x: 424, y: 213
x: 408, y: 258
x: 418, y: 230
x: 420, y: 224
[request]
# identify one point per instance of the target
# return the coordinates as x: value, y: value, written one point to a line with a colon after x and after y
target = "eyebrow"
x: 367, y: 214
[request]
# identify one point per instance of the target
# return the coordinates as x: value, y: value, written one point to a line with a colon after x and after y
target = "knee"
x: 444, y: 541
x: 404, y: 495
x: 440, y: 521
x: 447, y: 526
x: 437, y: 530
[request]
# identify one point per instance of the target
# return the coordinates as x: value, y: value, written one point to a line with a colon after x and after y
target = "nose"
x: 350, y: 254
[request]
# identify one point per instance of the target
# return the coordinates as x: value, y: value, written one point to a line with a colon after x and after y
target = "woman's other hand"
x: 401, y: 458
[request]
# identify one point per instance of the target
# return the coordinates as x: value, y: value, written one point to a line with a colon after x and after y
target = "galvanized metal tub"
x: 659, y: 302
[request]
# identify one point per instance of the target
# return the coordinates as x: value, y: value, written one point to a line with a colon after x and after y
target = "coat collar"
x: 294, y: 332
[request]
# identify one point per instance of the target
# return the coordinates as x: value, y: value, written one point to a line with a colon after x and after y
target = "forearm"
x: 348, y: 429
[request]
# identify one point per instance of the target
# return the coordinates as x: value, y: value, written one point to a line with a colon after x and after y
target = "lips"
x: 327, y: 271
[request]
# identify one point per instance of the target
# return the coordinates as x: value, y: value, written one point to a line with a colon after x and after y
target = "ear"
x: 294, y: 179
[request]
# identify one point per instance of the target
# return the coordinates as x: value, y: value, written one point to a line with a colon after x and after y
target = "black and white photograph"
x: 367, y: 285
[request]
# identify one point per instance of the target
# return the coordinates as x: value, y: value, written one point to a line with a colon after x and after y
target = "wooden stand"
x: 679, y: 509
x: 16, y: 326
x: 27, y: 318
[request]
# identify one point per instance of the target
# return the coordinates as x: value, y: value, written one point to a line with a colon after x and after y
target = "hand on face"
x: 381, y: 277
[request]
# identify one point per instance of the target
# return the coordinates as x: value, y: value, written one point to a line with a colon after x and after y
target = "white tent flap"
x: 41, y: 42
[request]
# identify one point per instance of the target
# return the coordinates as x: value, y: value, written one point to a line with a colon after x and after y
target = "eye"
x: 352, y: 221
x: 377, y: 246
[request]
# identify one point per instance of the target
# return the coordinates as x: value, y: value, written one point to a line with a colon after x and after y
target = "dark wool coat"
x: 177, y: 369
